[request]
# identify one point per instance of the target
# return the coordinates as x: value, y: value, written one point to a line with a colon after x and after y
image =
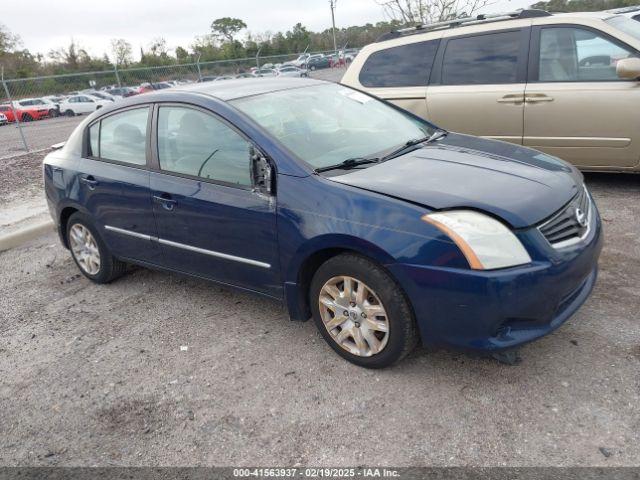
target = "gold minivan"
x: 566, y: 84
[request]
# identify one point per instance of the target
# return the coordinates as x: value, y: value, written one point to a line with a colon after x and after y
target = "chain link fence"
x: 33, y: 121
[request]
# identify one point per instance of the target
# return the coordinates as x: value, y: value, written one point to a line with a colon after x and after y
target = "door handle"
x: 515, y: 98
x: 165, y: 200
x: 537, y: 97
x: 89, y: 181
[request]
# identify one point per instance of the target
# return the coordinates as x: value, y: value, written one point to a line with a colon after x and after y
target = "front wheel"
x: 69, y: 113
x: 361, y: 311
x: 89, y: 251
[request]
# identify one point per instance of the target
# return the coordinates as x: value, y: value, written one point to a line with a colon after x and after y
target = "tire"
x: 383, y: 291
x: 27, y: 118
x: 53, y: 113
x: 109, y: 267
x: 69, y: 113
x: 312, y: 68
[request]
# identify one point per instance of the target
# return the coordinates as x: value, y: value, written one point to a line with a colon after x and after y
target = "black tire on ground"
x: 403, y: 335
x: 69, y: 113
x: 312, y: 68
x: 110, y: 267
x: 53, y: 113
x: 27, y: 118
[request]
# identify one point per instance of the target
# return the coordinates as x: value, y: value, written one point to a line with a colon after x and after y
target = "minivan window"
x: 123, y: 136
x: 403, y: 66
x: 577, y: 55
x: 191, y: 142
x: 482, y: 59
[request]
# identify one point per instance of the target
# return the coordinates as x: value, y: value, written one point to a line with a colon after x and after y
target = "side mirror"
x: 628, y: 68
x: 261, y: 171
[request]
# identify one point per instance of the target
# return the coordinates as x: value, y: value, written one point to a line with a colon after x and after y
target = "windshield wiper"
x: 349, y: 163
x: 438, y: 134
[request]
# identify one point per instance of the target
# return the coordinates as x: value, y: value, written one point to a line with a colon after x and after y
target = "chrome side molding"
x: 191, y: 248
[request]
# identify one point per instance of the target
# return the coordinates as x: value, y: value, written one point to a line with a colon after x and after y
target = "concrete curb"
x: 25, y: 234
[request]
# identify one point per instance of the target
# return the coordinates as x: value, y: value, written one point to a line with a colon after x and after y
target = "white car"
x: 264, y: 72
x: 300, y: 61
x: 3, y: 119
x: 39, y: 103
x: 79, y: 104
x: 291, y: 71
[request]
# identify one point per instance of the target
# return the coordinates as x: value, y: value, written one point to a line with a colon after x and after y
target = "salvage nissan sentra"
x: 382, y: 227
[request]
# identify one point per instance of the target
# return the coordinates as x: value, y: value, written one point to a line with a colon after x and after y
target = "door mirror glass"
x: 261, y: 172
x: 628, y: 68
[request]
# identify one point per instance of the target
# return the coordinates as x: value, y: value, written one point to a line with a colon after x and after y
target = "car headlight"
x: 485, y: 242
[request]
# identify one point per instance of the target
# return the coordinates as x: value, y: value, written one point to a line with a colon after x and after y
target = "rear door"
x: 211, y: 222
x: 113, y: 183
x: 478, y: 84
x: 576, y: 106
x: 400, y: 74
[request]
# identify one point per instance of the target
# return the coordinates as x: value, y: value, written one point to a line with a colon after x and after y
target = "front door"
x: 211, y: 222
x: 576, y: 106
x: 478, y: 85
x: 113, y: 183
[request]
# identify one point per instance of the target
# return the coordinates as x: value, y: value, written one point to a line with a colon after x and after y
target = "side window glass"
x: 404, y: 66
x: 195, y: 143
x: 482, y: 59
x: 123, y: 136
x: 577, y: 55
x: 94, y: 135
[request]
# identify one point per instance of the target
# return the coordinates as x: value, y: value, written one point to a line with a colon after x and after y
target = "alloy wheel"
x: 85, y: 249
x: 354, y: 316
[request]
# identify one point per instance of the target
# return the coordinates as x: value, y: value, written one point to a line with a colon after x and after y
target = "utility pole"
x: 333, y: 22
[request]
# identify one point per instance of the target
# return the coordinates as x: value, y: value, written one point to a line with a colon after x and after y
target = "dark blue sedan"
x: 383, y: 228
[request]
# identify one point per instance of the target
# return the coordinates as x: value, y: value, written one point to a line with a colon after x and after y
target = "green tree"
x: 181, y: 54
x: 121, y: 50
x: 226, y: 28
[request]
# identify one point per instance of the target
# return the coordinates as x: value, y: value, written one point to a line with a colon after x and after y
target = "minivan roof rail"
x: 463, y: 21
x: 629, y: 9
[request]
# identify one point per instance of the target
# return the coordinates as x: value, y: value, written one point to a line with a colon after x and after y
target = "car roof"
x: 246, y: 87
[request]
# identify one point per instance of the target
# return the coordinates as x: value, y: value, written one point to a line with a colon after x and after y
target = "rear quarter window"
x: 402, y: 66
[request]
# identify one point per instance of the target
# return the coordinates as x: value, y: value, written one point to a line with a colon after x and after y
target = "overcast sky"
x: 47, y: 24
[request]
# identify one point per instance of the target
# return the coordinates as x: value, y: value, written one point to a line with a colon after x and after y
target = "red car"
x: 25, y: 114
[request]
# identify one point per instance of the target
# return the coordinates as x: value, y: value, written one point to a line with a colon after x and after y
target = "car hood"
x: 518, y: 184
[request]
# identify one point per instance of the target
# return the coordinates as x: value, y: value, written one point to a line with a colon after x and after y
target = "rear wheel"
x: 27, y: 118
x: 89, y: 251
x: 53, y: 113
x: 361, y: 311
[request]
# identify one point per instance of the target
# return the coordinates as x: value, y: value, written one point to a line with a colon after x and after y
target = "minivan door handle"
x: 89, y: 181
x: 515, y: 98
x: 165, y: 200
x: 537, y: 97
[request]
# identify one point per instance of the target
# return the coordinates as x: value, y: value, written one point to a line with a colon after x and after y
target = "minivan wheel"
x: 362, y: 312
x: 89, y: 251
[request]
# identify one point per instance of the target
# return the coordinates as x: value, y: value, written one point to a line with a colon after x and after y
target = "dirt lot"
x: 98, y: 375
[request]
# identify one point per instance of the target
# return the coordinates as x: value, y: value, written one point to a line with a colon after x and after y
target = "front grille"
x: 564, y: 228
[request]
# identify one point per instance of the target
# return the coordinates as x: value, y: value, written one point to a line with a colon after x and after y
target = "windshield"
x: 327, y: 124
x: 626, y: 25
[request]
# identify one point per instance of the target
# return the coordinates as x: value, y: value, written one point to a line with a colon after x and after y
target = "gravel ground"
x: 158, y: 369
